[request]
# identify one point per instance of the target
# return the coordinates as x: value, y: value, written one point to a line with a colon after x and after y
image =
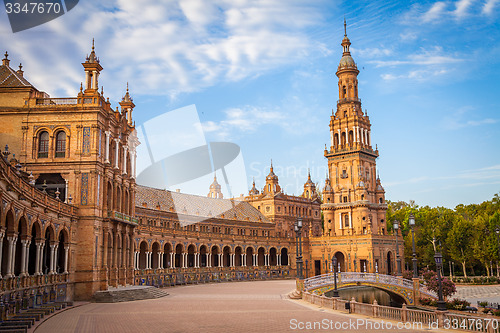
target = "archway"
x: 167, y: 250
x: 190, y: 254
x: 226, y: 256
x: 237, y: 256
x: 273, y: 259
x: 203, y: 256
x: 35, y: 235
x: 143, y: 249
x: 340, y: 261
x: 284, y: 257
x: 261, y: 257
x: 61, y: 253
x: 155, y: 262
x: 178, y: 256
x: 249, y: 255
x: 9, y: 228
x: 215, y: 256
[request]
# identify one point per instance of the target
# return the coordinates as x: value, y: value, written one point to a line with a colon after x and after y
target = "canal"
x: 364, y: 294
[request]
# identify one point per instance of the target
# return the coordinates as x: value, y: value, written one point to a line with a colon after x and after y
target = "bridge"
x: 410, y: 290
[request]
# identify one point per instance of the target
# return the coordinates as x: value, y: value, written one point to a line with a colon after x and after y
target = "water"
x: 368, y: 295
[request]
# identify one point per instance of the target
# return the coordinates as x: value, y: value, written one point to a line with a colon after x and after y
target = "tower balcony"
x: 348, y: 100
x: 348, y: 148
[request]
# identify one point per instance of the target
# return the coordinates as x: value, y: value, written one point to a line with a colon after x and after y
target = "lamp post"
x: 298, y: 227
x: 334, y: 265
x: 497, y: 231
x: 411, y: 220
x: 398, y: 259
x: 307, y: 269
x: 439, y: 262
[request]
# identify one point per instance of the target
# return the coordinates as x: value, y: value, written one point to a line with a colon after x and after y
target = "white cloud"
x: 461, y: 119
x: 434, y: 13
x: 462, y: 8
x: 488, y: 7
x: 246, y: 119
x: 167, y: 47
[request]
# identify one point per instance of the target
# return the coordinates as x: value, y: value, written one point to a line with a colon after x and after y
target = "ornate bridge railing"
x: 343, y: 278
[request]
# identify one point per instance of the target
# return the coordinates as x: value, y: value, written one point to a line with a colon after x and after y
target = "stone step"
x: 128, y: 294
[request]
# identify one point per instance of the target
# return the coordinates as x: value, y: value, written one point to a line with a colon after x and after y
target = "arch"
x: 261, y: 256
x: 109, y: 250
x: 340, y: 261
x: 273, y: 257
x: 167, y: 250
x: 43, y: 144
x: 49, y: 238
x: 178, y: 255
x: 351, y: 137
x: 238, y: 256
x: 336, y: 139
x: 203, y: 256
x: 109, y: 196
x: 125, y: 202
x: 118, y: 198
x: 18, y: 246
x: 60, y: 150
x: 226, y: 256
x: 215, y: 256
x: 190, y: 255
x: 143, y: 249
x: 155, y: 260
x: 36, y: 234
x: 389, y: 263
x: 284, y: 257
x: 9, y: 228
x: 249, y: 255
x: 343, y: 138
x: 60, y: 263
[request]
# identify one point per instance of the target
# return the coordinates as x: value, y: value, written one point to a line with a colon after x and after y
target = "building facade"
x: 73, y: 221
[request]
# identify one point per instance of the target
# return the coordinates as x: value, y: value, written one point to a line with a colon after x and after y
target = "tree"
x: 460, y: 241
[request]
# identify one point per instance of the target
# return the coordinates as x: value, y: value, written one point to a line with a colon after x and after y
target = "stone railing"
x: 409, y: 318
x: 350, y: 277
x: 22, y: 293
x: 175, y: 276
x: 56, y: 101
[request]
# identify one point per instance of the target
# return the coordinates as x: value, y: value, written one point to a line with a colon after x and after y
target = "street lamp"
x: 298, y: 227
x: 398, y: 259
x: 439, y: 262
x: 497, y: 231
x: 411, y: 220
x: 334, y: 265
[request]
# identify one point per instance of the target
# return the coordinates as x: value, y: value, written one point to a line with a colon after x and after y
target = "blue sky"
x: 262, y: 74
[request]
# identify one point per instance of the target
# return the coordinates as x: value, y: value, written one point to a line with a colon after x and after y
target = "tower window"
x: 344, y: 92
x: 43, y: 144
x: 60, y: 144
x: 345, y: 114
x: 380, y: 200
x: 345, y: 199
x: 346, y: 221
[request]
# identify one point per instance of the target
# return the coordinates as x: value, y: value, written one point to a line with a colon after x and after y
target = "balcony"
x: 122, y: 217
x: 56, y: 101
x: 349, y: 99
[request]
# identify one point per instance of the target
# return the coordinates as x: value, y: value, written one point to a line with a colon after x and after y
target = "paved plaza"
x: 260, y: 306
x: 473, y: 294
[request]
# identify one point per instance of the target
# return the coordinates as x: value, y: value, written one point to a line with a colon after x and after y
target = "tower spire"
x: 345, y: 28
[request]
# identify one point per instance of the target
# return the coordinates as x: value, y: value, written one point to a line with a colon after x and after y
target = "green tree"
x: 460, y: 241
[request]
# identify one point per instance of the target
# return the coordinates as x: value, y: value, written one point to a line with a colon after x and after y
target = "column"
x: 255, y: 259
x: 366, y: 136
x: 209, y: 261
x: 136, y: 260
x: 125, y: 149
x: 289, y: 260
x: 117, y: 145
x: 66, y: 253
x: 350, y: 220
x: 11, y: 255
x: 220, y: 259
x: 244, y: 260
x: 172, y: 263
x: 159, y: 260
x: 346, y: 136
x: 340, y: 137
x: 355, y: 134
x: 1, y: 247
x: 362, y: 136
x: 134, y: 158
x: 51, y: 265
x: 369, y: 139
x: 340, y: 220
x: 38, y: 255
x: 278, y: 256
x: 106, y: 151
x: 24, y: 243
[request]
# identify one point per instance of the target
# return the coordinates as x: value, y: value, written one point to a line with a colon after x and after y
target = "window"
x: 345, y: 199
x: 43, y: 144
x: 60, y: 144
x: 346, y: 221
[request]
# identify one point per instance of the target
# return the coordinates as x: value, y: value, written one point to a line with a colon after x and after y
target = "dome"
x: 347, y: 61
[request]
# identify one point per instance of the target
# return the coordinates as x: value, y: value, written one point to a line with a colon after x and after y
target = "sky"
x: 261, y: 74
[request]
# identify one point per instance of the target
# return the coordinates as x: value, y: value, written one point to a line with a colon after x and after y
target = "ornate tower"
x: 272, y: 186
x: 215, y: 190
x: 309, y: 188
x: 354, y: 202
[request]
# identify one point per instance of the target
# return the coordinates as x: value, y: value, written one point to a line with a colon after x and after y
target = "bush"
x: 496, y: 312
x: 432, y: 283
x: 459, y: 304
x: 483, y: 304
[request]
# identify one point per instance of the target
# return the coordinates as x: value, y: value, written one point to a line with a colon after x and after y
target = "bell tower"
x: 92, y: 70
x: 356, y: 200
